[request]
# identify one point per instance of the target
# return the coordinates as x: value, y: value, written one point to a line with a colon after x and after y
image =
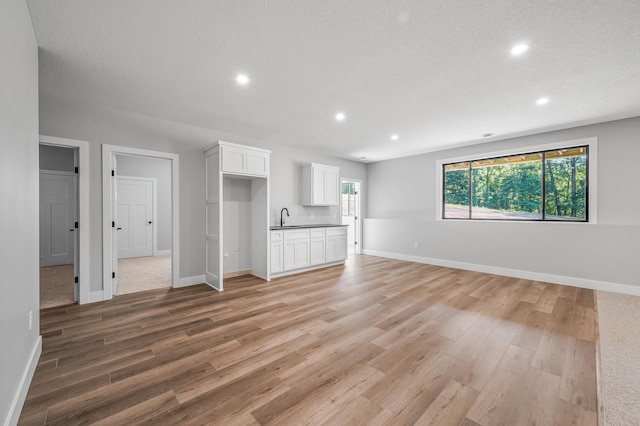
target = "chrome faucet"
x: 282, y: 217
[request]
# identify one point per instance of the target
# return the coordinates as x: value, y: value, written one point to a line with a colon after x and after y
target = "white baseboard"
x: 187, y: 281
x: 311, y: 268
x: 96, y: 296
x: 21, y: 393
x: 162, y: 252
x: 515, y: 273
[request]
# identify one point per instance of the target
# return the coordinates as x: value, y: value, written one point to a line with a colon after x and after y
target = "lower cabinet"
x: 296, y: 249
x: 277, y: 257
x: 336, y: 244
x: 317, y: 256
x: 302, y: 248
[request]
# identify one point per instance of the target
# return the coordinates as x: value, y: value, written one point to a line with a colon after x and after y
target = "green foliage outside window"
x: 512, y: 187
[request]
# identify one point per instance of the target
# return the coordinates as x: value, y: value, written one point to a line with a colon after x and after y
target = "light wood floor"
x: 56, y: 285
x: 376, y: 342
x: 143, y: 273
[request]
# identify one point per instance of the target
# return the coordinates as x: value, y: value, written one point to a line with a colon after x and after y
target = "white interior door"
x: 135, y: 217
x: 350, y: 205
x: 57, y: 216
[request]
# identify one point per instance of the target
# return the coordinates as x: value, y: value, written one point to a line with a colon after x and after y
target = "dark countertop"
x: 317, y: 225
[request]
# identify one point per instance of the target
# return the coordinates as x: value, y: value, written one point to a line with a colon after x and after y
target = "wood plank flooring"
x: 376, y: 342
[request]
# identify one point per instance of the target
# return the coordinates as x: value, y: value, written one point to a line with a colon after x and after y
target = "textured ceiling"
x: 438, y: 73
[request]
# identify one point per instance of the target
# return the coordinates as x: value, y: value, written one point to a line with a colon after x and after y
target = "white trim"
x: 515, y: 273
x: 591, y: 142
x: 107, y: 242
x: 162, y: 253
x: 96, y: 296
x: 56, y: 172
x: 154, y: 208
x: 188, y: 281
x: 311, y: 268
x: 15, y: 409
x: 84, y: 213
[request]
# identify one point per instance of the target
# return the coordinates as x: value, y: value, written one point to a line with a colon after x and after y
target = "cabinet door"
x: 277, y: 260
x: 319, y: 185
x: 316, y: 256
x: 234, y: 159
x: 341, y: 248
x: 331, y: 191
x: 330, y: 249
x: 257, y: 163
x: 302, y: 253
x: 289, y: 255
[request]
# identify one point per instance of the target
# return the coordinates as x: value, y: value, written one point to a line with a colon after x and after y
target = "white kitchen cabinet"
x: 302, y: 249
x: 244, y: 225
x: 296, y: 249
x: 242, y: 160
x: 320, y: 185
x: 336, y: 244
x: 317, y: 246
x: 277, y: 252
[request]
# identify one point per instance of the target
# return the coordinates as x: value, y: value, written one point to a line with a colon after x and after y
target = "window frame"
x: 591, y: 170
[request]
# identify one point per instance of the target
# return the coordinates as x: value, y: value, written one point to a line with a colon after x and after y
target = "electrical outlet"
x: 30, y: 320
x: 416, y: 245
x: 311, y: 215
x: 226, y: 255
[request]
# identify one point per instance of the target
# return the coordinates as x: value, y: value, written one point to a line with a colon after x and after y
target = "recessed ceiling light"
x: 340, y: 116
x: 394, y: 137
x: 542, y: 101
x: 487, y: 135
x: 363, y: 158
x: 519, y: 49
x: 242, y: 79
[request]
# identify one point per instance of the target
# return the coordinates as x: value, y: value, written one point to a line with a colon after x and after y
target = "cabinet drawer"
x: 296, y: 234
x: 276, y: 236
x: 341, y: 230
x: 317, y: 232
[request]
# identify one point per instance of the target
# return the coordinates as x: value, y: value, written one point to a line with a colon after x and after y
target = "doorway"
x: 350, y: 206
x: 64, y: 212
x: 58, y: 216
x: 140, y: 229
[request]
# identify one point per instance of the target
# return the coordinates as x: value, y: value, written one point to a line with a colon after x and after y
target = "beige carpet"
x: 56, y: 286
x: 619, y: 324
x: 143, y: 273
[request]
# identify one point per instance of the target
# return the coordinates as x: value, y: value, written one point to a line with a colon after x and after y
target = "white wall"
x: 402, y: 210
x: 100, y: 125
x: 56, y: 158
x: 160, y: 169
x: 19, y: 212
x: 237, y: 225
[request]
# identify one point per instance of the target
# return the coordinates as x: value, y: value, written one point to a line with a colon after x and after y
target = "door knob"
x: 117, y: 229
x: 71, y: 230
x: 149, y: 222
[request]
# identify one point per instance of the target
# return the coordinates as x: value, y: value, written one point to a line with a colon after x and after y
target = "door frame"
x: 154, y: 208
x: 83, y: 210
x: 358, y: 247
x: 108, y: 151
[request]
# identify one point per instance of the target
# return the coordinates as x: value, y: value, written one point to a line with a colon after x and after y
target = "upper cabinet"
x: 242, y: 160
x: 320, y: 185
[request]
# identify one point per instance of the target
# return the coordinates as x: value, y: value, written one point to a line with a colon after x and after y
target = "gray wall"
x: 56, y: 158
x: 19, y: 194
x: 237, y: 225
x: 402, y: 210
x: 161, y: 170
x: 100, y: 125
